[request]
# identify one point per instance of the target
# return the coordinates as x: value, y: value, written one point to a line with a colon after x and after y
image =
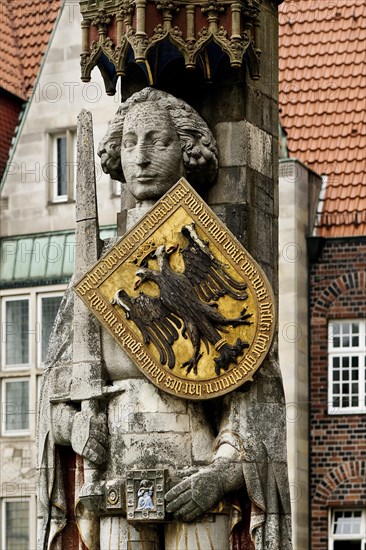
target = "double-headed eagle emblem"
x: 187, y: 304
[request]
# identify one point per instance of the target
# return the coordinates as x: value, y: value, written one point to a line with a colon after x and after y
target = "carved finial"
x: 102, y: 21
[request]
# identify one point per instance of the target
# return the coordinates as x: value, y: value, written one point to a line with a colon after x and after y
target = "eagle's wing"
x: 208, y: 276
x: 157, y: 325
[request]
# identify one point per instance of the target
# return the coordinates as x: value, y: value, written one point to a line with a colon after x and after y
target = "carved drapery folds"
x: 116, y: 33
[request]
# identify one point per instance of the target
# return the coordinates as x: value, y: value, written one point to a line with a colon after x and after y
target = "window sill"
x: 17, y: 433
x: 341, y: 412
x: 58, y: 203
x: 14, y: 369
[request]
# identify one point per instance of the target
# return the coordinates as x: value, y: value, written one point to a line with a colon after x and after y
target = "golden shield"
x: 184, y: 299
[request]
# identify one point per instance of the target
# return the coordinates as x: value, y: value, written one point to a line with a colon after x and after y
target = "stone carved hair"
x: 197, y: 142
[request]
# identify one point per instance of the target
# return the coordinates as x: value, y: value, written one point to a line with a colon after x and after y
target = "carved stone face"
x: 151, y: 152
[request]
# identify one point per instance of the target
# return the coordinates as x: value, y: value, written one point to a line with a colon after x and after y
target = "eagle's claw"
x: 192, y: 363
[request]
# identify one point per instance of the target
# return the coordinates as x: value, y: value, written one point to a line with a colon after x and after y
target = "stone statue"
x: 226, y: 458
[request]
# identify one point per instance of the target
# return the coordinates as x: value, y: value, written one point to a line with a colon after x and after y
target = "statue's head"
x: 153, y: 140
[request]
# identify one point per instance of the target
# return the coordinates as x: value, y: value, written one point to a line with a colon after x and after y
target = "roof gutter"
x: 30, y: 100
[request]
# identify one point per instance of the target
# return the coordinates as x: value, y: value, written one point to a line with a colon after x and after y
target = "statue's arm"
x: 85, y: 432
x: 199, y: 493
x: 62, y: 418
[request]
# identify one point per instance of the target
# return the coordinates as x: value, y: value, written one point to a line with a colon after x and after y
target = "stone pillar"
x: 299, y: 191
x: 243, y: 115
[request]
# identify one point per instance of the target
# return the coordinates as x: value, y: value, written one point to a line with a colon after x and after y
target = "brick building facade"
x: 337, y: 389
x: 323, y: 112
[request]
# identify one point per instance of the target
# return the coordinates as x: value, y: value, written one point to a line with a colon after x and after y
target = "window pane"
x: 61, y: 166
x: 346, y: 523
x: 17, y: 525
x: 345, y: 401
x: 336, y: 401
x: 334, y: 331
x: 336, y: 342
x: 49, y: 311
x: 355, y: 341
x: 355, y: 374
x: 355, y: 334
x: 16, y: 405
x: 17, y: 332
x: 354, y: 401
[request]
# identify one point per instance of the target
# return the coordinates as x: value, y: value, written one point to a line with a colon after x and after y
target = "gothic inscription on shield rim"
x: 184, y: 299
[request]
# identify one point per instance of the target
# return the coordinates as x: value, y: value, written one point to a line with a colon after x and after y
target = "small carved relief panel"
x: 145, y: 490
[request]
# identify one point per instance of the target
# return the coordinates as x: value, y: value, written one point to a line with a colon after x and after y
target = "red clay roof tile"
x: 323, y: 102
x: 25, y: 28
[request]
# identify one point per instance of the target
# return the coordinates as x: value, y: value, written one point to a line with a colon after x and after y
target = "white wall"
x: 58, y: 98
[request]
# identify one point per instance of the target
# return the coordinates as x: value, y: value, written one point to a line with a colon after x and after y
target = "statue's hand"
x: 198, y: 493
x: 89, y: 436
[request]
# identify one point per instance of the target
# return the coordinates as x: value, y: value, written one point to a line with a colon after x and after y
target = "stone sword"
x: 87, y: 378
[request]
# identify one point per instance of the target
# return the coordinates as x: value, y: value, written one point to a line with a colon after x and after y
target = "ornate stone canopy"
x: 153, y: 33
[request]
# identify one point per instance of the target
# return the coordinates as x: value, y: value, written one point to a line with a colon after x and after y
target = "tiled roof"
x: 323, y: 103
x: 25, y: 29
x: 26, y: 259
x: 10, y: 109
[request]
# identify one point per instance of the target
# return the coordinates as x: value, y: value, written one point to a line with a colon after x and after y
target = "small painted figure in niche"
x: 227, y: 458
x: 144, y: 494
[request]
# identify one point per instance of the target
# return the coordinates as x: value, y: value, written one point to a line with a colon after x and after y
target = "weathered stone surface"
x: 230, y: 187
x: 232, y: 141
x: 119, y: 534
x: 241, y: 143
x: 87, y: 370
x: 211, y: 532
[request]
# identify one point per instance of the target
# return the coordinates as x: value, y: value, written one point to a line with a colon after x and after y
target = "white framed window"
x: 347, y: 530
x: 26, y: 326
x: 347, y: 366
x: 15, y: 333
x: 15, y: 409
x: 15, y: 524
x: 48, y: 305
x: 61, y: 171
